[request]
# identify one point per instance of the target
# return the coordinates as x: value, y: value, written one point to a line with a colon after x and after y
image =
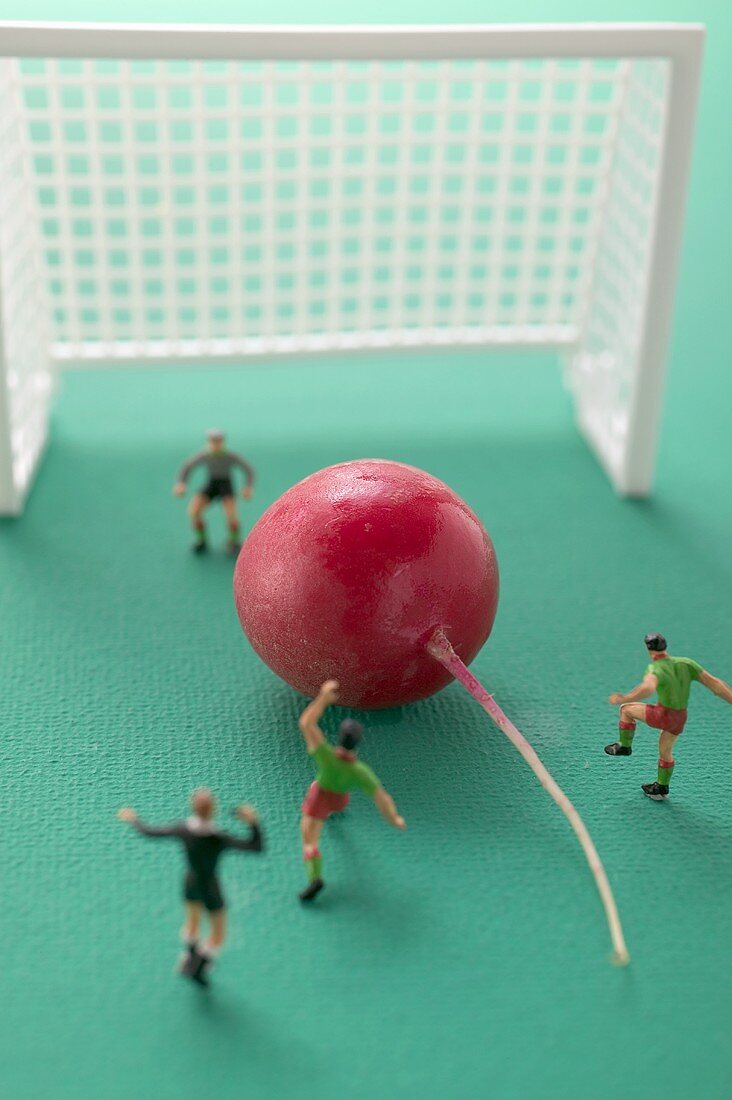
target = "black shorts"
x: 205, y: 891
x: 218, y: 487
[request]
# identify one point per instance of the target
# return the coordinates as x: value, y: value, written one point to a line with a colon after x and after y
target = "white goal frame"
x: 614, y: 369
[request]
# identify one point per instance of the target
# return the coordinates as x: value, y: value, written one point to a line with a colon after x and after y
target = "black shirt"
x: 203, y: 842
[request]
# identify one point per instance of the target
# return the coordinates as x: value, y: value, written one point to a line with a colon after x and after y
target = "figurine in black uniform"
x: 219, y: 464
x: 203, y: 844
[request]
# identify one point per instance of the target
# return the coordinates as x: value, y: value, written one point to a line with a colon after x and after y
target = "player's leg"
x: 189, y: 934
x: 232, y: 522
x: 208, y: 952
x: 659, y: 789
x: 198, y: 505
x: 630, y: 713
x: 211, y: 949
x: 189, y: 931
x: 310, y: 830
x: 218, y: 930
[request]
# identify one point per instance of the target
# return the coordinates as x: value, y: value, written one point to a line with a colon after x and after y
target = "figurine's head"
x: 349, y: 734
x: 203, y: 803
x: 215, y: 439
x: 655, y: 643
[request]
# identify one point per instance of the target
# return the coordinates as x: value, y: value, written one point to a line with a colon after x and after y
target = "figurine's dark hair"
x: 350, y: 733
x: 656, y: 643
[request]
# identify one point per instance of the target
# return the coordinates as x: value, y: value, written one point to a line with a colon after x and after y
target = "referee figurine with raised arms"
x: 671, y: 679
x: 203, y: 844
x: 219, y: 465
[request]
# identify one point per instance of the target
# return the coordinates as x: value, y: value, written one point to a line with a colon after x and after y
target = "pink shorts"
x: 664, y: 718
x: 321, y: 804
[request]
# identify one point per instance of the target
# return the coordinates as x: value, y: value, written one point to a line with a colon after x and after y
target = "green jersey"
x: 340, y: 772
x: 674, y: 676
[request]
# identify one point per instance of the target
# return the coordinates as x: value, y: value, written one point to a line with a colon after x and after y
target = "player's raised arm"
x: 387, y: 808
x: 184, y: 473
x: 252, y: 843
x: 715, y: 685
x: 644, y: 690
x: 314, y: 711
x: 128, y: 815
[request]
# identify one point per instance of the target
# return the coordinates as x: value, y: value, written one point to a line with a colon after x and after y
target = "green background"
x: 467, y: 957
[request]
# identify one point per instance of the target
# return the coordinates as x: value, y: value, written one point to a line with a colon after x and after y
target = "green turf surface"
x: 466, y: 957
x: 468, y: 953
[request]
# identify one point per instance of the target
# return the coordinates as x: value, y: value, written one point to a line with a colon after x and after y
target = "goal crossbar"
x: 360, y: 42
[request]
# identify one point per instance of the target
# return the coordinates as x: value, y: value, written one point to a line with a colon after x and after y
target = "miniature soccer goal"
x: 195, y: 194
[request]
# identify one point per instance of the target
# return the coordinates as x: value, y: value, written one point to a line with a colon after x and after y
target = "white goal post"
x: 192, y: 194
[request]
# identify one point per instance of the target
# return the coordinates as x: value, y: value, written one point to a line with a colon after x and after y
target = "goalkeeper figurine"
x: 219, y: 464
x: 339, y: 772
x: 671, y: 679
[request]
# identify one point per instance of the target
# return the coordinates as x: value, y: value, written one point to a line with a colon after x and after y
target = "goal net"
x: 198, y: 194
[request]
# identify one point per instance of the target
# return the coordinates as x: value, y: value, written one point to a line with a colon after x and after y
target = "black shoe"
x: 199, y: 548
x: 656, y: 791
x: 186, y: 961
x: 200, y: 975
x: 312, y: 890
x: 195, y: 966
x: 616, y: 749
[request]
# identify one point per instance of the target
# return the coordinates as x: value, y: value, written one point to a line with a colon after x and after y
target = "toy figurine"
x: 339, y: 772
x: 219, y: 463
x: 203, y: 844
x: 670, y: 678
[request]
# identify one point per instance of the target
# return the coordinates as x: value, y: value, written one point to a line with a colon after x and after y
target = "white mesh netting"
x: 194, y: 209
x: 603, y: 369
x: 237, y: 202
x: 25, y: 374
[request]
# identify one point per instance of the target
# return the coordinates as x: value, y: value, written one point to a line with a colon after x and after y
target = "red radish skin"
x: 352, y: 570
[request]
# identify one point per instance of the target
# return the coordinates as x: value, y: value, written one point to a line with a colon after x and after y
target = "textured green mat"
x: 467, y: 957
x: 470, y: 952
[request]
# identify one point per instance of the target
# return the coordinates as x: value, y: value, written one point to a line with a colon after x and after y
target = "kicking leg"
x: 630, y: 713
x: 310, y: 830
x: 232, y: 521
x: 659, y: 790
x: 199, y: 504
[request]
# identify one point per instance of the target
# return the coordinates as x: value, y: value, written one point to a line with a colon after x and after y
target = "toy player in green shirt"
x: 339, y: 772
x: 671, y: 679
